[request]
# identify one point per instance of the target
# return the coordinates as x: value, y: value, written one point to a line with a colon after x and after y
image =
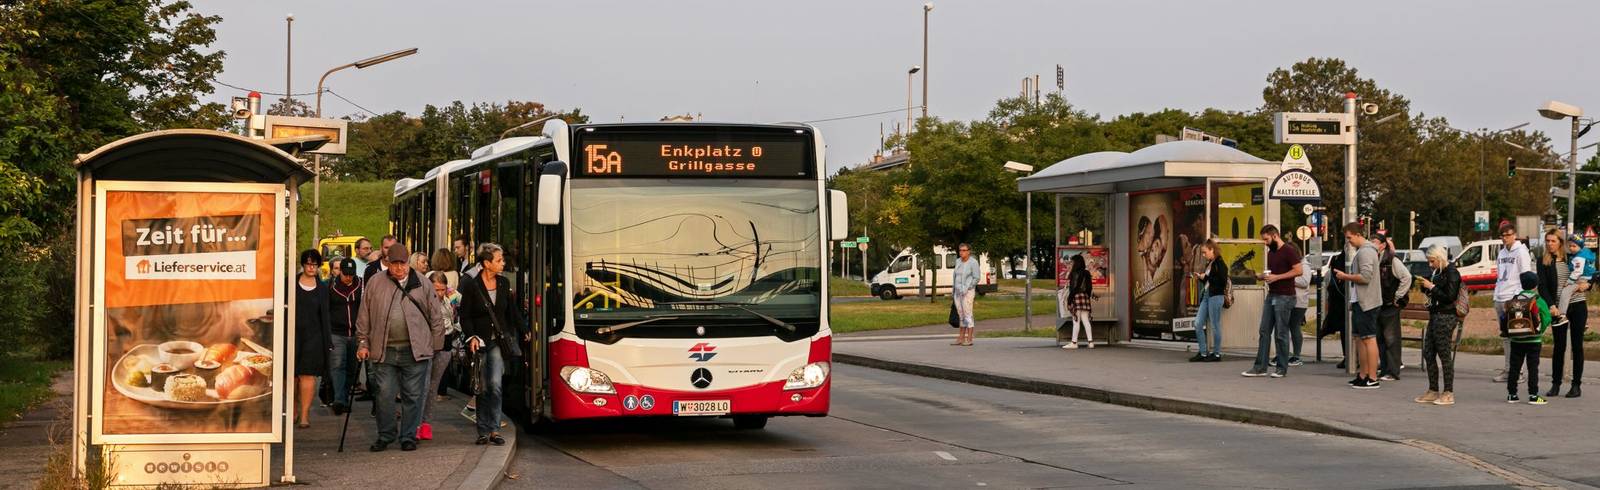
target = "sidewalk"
x: 1555, y: 443
x: 450, y: 460
x: 26, y: 441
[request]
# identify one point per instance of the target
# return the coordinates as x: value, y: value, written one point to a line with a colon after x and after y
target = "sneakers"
x: 1253, y: 373
x: 1387, y: 377
x: 425, y: 432
x: 1198, y: 358
x: 1366, y: 384
x: 1501, y: 377
x: 1429, y: 397
x: 1574, y: 392
x: 1091, y: 344
x: 1512, y: 398
x: 1446, y: 398
x: 1295, y: 362
x: 1536, y: 400
x: 1072, y: 345
x: 1356, y: 381
x: 1214, y: 357
x: 470, y: 414
x: 1279, y: 373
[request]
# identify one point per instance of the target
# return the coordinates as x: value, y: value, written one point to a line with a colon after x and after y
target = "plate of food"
x: 185, y: 375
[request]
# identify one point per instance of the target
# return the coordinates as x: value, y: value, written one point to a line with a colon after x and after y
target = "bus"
x: 673, y: 269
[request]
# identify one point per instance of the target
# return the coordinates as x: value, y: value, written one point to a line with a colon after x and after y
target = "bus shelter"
x: 184, y: 322
x: 1139, y: 219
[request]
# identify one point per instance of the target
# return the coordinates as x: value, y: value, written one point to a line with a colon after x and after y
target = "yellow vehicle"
x: 336, y: 248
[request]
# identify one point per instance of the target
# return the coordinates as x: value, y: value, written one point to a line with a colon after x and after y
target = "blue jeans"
x: 489, y: 410
x: 399, y: 373
x: 1274, y: 327
x: 1297, y: 323
x: 1208, y: 323
x: 341, y: 369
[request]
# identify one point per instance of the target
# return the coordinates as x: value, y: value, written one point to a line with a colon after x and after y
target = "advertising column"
x: 185, y: 370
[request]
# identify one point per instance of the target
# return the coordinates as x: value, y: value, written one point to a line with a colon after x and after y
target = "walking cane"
x: 352, y: 395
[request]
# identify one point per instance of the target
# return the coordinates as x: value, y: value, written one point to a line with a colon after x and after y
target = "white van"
x: 1476, y: 263
x: 1451, y: 244
x: 905, y: 272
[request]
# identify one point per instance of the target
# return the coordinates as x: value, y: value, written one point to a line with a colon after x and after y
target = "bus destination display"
x: 1314, y: 127
x: 689, y: 155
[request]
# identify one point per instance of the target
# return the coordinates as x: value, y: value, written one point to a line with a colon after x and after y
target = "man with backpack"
x: 1527, y: 319
x: 1396, y: 281
x: 1512, y: 261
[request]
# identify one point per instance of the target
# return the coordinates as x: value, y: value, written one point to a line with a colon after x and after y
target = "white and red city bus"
x: 670, y: 269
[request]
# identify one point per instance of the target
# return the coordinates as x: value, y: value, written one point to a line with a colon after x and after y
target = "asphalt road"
x: 890, y: 430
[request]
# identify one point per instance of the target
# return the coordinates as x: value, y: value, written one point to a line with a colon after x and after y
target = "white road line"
x: 945, y: 455
x: 894, y: 337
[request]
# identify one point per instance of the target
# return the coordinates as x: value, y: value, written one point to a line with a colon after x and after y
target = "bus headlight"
x: 807, y: 376
x: 585, y: 380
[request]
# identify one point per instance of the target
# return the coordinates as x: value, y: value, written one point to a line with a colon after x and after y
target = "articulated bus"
x: 673, y: 269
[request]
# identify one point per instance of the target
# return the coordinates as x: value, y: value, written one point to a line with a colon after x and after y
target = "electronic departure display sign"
x: 693, y: 152
x: 1314, y: 127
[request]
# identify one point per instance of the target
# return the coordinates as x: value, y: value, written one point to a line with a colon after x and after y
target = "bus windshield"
x: 745, y: 249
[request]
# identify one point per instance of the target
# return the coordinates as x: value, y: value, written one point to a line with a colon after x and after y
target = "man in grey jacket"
x: 1366, y: 301
x: 395, y: 329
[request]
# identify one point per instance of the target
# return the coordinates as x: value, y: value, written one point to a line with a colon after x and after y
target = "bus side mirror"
x: 549, y: 210
x: 838, y: 215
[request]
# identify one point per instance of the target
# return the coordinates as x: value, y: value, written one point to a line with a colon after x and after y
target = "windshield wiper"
x: 774, y: 321
x: 624, y: 326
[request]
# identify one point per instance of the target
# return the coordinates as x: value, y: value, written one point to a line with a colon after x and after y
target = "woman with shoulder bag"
x: 1438, y: 341
x: 1213, y: 296
x: 492, y: 320
x: 1080, y: 301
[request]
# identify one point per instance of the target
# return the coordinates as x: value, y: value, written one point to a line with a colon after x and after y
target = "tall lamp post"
x: 914, y: 69
x: 288, y: 61
x: 1558, y: 110
x: 927, y: 8
x: 1027, y: 248
x: 316, y: 187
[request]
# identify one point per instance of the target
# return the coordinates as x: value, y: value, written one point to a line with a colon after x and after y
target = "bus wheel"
x: 886, y: 293
x: 749, y: 422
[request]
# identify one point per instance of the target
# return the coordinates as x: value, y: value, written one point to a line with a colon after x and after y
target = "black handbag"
x: 955, y: 319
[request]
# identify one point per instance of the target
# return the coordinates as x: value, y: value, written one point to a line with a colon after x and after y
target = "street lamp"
x: 288, y: 61
x: 316, y: 159
x: 914, y: 69
x: 926, y: 9
x: 1027, y: 247
x: 1558, y: 110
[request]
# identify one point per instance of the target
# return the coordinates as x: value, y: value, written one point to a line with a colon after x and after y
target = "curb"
x: 1183, y: 406
x: 492, y: 466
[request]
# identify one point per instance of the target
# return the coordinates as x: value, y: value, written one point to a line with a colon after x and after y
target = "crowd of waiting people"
x: 390, y: 326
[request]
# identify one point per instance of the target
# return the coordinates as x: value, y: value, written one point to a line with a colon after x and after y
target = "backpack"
x: 1463, y: 301
x: 1522, y: 315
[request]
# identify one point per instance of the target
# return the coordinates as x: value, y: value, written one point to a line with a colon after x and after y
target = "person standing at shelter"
x: 1283, y: 267
x: 1529, y: 316
x: 312, y: 334
x: 493, y: 321
x: 363, y: 257
x: 1366, y: 299
x: 1395, y: 278
x: 395, y: 330
x: 1439, y: 338
x: 1297, y: 317
x: 378, y: 257
x: 1333, y: 307
x: 344, y: 304
x: 1581, y: 263
x: 963, y: 290
x: 1080, y: 300
x: 1213, y: 292
x: 1512, y: 261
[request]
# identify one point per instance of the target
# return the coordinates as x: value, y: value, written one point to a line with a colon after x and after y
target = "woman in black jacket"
x: 1213, y: 293
x: 1438, y: 342
x: 492, y: 320
x: 312, y: 333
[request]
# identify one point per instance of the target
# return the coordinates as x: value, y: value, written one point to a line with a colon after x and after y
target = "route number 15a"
x: 601, y: 161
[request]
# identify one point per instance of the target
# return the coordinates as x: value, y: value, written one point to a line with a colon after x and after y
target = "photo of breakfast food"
x: 189, y: 368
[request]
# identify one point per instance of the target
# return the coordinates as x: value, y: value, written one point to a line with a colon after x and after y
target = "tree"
x: 397, y: 145
x: 291, y: 107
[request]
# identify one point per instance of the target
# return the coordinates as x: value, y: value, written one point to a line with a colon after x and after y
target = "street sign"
x: 1295, y: 186
x: 863, y: 239
x: 1308, y: 209
x: 1480, y: 220
x: 1313, y: 128
x: 337, y: 131
x: 1295, y: 158
x: 1303, y: 233
x: 847, y: 244
x: 862, y: 246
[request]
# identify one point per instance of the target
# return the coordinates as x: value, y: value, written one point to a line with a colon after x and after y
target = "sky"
x: 1479, y: 63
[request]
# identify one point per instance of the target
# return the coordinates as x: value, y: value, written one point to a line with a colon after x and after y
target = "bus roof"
x: 678, y: 124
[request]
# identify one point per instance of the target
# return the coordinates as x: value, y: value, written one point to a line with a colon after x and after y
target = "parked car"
x: 1016, y: 274
x: 1450, y: 243
x: 1477, y: 264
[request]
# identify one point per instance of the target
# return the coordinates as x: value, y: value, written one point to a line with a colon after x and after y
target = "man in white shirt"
x: 1510, y: 264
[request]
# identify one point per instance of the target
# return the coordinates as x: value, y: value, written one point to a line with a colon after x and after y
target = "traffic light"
x: 1511, y: 167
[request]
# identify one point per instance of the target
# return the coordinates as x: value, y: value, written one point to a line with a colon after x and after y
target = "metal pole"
x: 1027, y: 284
x: 1349, y: 214
x: 926, y: 9
x: 1572, y: 181
x: 908, y: 103
x: 288, y: 60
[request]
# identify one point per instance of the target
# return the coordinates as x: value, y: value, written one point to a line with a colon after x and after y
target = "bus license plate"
x: 701, y: 407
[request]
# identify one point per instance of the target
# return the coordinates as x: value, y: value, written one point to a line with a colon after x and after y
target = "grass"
x: 912, y: 312
x: 1045, y: 332
x: 838, y: 286
x: 24, y: 383
x: 349, y: 208
x: 1049, y: 284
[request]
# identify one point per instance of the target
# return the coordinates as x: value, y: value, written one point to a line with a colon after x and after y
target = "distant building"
x: 882, y: 162
x: 686, y: 117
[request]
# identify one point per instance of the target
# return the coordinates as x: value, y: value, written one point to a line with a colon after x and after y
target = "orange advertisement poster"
x: 190, y: 278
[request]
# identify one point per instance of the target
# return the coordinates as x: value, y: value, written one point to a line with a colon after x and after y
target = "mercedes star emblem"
x: 700, y: 378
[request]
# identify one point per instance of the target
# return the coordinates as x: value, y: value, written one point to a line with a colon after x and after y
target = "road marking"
x: 945, y: 455
x: 1470, y: 460
x: 894, y: 337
